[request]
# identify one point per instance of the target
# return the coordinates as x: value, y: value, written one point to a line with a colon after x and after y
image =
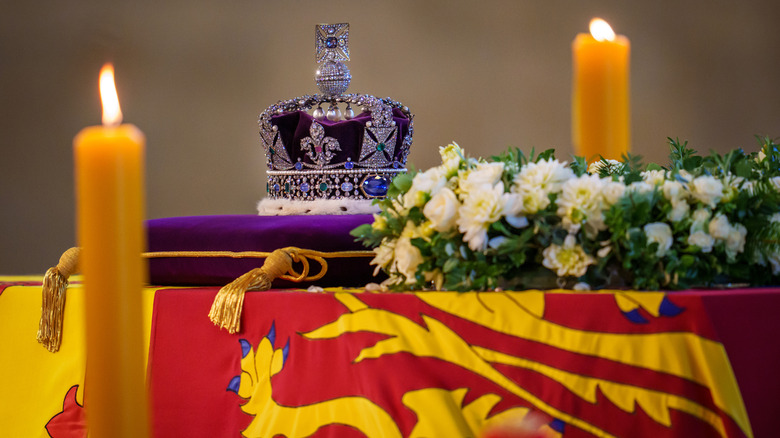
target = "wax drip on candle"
x: 112, y: 113
x: 601, y: 30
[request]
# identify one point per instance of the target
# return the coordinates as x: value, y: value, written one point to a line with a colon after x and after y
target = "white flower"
x: 719, y: 227
x: 407, y: 258
x: 528, y: 200
x: 735, y: 242
x: 701, y: 216
x: 398, y: 209
x: 581, y: 286
x: 640, y: 187
x: 481, y: 207
x: 384, y: 255
x: 611, y: 166
x: 774, y: 260
x: 679, y: 210
x: 660, y: 233
x: 483, y: 175
x: 380, y: 223
x: 581, y: 201
x: 707, y: 190
x: 700, y: 220
x: 451, y: 158
x: 567, y: 259
x: 413, y: 231
x: 424, y: 185
x: 702, y: 240
x: 775, y: 180
x: 654, y: 177
x: 612, y: 191
x: 535, y: 182
x: 684, y: 174
x: 442, y: 210
x: 673, y: 190
x: 732, y: 184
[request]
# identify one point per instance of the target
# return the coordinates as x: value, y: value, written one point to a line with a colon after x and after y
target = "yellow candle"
x: 600, y: 95
x: 109, y: 173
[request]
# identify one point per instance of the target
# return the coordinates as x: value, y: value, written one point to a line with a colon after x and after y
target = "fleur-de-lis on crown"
x: 319, y: 148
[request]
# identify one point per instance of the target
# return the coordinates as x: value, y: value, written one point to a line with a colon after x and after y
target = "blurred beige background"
x: 194, y: 75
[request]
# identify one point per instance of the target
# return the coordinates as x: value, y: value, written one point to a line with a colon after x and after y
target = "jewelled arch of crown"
x: 365, y: 174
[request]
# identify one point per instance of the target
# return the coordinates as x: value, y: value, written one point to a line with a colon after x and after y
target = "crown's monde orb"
x: 333, y: 78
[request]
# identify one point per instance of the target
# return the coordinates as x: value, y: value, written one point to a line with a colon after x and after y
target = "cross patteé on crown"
x: 331, y: 42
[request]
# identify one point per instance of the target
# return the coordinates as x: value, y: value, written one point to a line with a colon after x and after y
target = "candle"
x: 600, y: 95
x: 109, y: 171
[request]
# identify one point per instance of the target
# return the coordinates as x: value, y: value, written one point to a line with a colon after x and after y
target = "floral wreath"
x: 519, y: 222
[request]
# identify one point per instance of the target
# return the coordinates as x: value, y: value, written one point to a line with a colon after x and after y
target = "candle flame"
x: 112, y: 114
x: 601, y: 30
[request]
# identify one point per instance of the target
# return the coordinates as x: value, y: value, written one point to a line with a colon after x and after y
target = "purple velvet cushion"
x: 253, y: 233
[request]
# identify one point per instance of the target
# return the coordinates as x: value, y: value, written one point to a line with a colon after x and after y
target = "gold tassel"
x: 55, y: 283
x: 226, y: 310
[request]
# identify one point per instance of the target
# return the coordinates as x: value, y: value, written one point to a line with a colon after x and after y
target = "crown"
x: 316, y: 154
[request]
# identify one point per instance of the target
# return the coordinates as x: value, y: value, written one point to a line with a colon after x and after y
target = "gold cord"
x: 225, y: 311
x: 55, y: 283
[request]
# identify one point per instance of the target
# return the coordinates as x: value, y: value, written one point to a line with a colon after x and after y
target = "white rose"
x: 707, y: 190
x: 679, y: 210
x: 612, y: 191
x: 442, y: 210
x: 719, y: 227
x: 425, y: 184
x: 407, y: 259
x: 702, y: 240
x: 673, y: 190
x: 735, y: 242
x: 660, y: 233
x: 701, y: 215
x: 700, y: 219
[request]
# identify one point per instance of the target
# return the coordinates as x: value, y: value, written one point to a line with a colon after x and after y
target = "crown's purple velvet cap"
x: 294, y: 126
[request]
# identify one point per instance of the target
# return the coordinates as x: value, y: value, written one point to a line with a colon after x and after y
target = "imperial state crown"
x: 317, y: 148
